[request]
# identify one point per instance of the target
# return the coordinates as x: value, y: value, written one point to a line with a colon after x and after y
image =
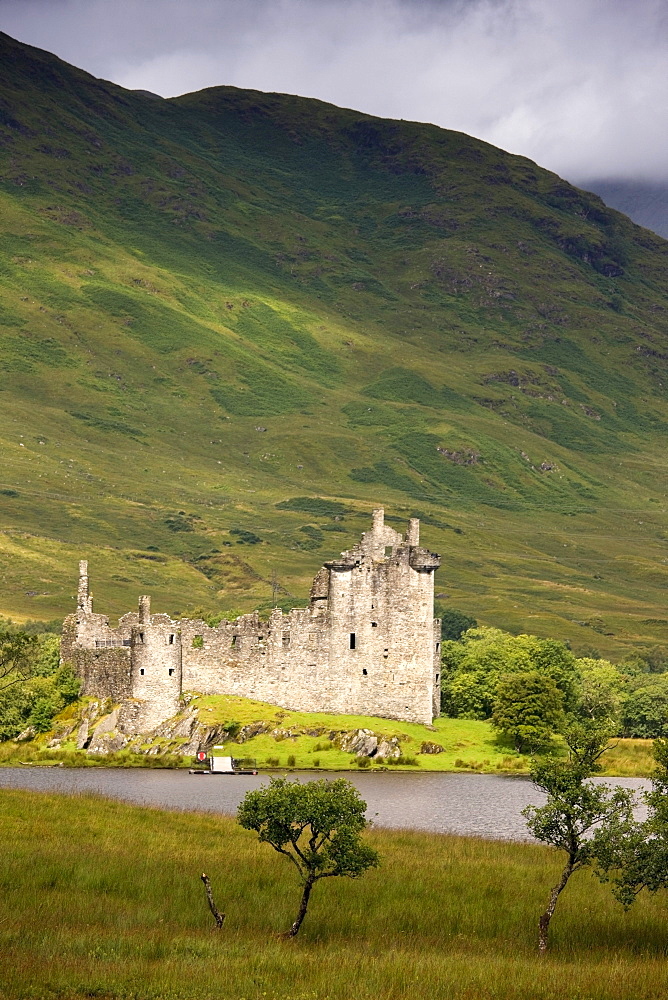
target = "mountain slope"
x: 216, y: 304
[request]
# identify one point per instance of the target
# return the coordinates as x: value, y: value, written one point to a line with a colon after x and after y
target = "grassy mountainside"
x: 216, y: 304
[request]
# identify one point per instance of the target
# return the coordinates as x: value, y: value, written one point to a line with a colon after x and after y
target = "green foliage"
x: 586, y: 821
x: 528, y: 708
x: 473, y: 668
x: 17, y: 654
x: 41, y: 716
x: 601, y: 690
x: 245, y: 537
x: 179, y: 522
x: 41, y: 689
x: 454, y: 623
x: 640, y: 860
x: 316, y: 825
x: 645, y: 710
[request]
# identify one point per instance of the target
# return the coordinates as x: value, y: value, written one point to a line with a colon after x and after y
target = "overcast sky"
x: 581, y: 86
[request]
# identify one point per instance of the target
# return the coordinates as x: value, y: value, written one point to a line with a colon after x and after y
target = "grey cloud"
x: 578, y: 85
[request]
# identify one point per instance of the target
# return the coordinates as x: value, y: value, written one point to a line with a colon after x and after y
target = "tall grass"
x: 102, y: 899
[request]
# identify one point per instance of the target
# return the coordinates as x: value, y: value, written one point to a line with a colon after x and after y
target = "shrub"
x: 273, y: 761
x: 245, y: 537
x: 364, y: 762
x: 292, y: 760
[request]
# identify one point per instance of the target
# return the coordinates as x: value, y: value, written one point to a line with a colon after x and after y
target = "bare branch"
x: 217, y: 915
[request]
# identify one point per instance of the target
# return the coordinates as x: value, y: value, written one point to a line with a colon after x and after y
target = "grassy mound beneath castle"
x: 275, y: 737
x: 121, y: 914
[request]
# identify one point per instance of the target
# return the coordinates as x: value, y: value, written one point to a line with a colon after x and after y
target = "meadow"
x: 104, y: 900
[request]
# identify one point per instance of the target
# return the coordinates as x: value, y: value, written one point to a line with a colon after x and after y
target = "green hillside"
x: 215, y: 304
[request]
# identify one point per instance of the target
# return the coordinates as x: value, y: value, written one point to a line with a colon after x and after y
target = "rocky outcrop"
x: 365, y: 743
x: 429, y: 747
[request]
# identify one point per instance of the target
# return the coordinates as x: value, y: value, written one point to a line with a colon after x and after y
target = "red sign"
x: 201, y: 755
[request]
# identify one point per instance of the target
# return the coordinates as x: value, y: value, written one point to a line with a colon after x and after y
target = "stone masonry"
x: 368, y: 644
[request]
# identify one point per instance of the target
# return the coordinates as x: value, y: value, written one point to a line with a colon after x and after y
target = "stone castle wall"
x: 368, y: 644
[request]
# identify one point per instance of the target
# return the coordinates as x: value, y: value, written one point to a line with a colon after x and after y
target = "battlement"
x: 367, y: 644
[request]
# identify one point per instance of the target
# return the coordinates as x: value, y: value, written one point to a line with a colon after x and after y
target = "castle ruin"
x: 368, y: 644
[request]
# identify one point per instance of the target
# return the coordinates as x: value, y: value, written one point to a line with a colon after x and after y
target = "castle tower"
x: 156, y: 666
x: 382, y: 634
x: 84, y: 597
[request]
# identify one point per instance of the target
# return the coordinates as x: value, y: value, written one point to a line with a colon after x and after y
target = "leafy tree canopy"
x: 454, y: 623
x: 644, y: 713
x: 528, y: 708
x: 473, y: 667
x: 601, y: 689
x: 588, y: 822
x: 316, y: 825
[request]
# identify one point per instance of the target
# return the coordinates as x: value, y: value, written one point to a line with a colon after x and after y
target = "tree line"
x: 528, y: 687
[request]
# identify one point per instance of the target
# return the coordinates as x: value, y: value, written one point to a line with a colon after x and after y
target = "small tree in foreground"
x: 316, y: 825
x: 640, y: 860
x: 584, y: 820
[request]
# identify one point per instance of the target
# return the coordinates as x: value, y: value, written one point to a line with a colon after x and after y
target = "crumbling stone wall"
x: 368, y: 643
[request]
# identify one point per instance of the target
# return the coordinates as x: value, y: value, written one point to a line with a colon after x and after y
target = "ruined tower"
x: 367, y: 644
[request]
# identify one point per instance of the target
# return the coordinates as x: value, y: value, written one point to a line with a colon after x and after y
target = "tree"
x: 644, y: 713
x: 16, y: 652
x: 473, y: 668
x: 601, y: 685
x: 316, y: 825
x: 586, y: 821
x: 640, y: 860
x: 454, y: 623
x: 528, y: 707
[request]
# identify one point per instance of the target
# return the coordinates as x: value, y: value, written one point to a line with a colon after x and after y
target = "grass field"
x: 230, y: 311
x: 104, y: 900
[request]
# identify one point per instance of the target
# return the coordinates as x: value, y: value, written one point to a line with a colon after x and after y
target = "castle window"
x: 171, y: 640
x: 235, y: 641
x: 353, y: 641
x: 438, y: 647
x: 141, y: 636
x: 388, y: 551
x: 142, y: 671
x: 437, y: 676
x: 171, y: 671
x: 374, y: 624
x: 286, y: 638
x: 385, y: 653
x: 364, y: 671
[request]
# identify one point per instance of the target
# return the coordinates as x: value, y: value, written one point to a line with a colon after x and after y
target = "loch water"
x: 482, y: 805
